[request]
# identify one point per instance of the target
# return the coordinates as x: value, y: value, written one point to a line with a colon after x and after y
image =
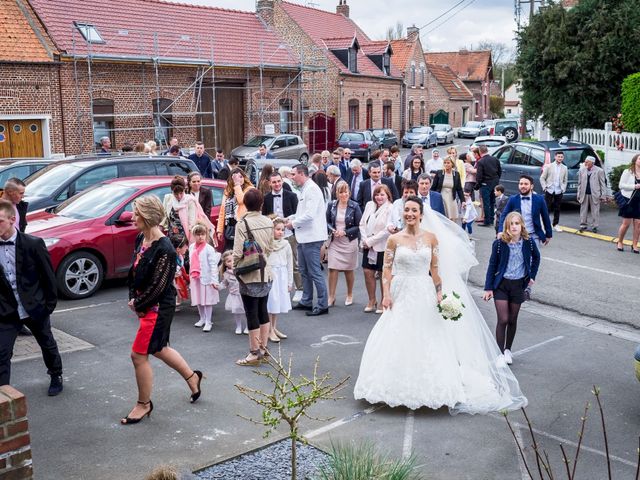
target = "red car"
x: 91, y: 236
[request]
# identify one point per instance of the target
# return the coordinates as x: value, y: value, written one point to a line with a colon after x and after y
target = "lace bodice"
x: 412, y: 262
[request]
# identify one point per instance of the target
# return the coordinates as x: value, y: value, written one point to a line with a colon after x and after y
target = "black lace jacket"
x: 152, y: 279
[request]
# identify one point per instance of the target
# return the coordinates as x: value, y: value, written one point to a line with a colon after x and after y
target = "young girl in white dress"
x: 234, y: 300
x: 203, y: 276
x: 281, y: 263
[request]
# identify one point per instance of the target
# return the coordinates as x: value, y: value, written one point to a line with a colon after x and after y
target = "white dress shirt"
x: 310, y: 220
x: 395, y: 219
x: 8, y: 262
x: 278, y: 209
x: 525, y: 209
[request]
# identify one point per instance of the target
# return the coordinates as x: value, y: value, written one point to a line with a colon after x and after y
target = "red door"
x: 322, y: 133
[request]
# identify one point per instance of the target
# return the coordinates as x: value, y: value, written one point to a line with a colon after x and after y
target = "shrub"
x: 631, y: 102
x: 614, y: 176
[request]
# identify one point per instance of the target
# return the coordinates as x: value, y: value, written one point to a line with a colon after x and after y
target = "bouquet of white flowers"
x: 451, y: 307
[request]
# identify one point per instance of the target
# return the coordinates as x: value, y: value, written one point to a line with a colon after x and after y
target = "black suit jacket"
x: 36, y: 281
x: 289, y: 203
x: 205, y: 198
x: 364, y: 191
x: 438, y: 180
x: 22, y: 210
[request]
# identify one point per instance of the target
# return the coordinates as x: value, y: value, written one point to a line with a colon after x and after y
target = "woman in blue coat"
x: 513, y: 266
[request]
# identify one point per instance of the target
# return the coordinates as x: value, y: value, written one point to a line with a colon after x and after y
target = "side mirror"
x: 125, y: 218
x: 275, y: 147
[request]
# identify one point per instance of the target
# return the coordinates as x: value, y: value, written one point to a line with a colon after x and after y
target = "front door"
x: 229, y: 117
x: 21, y: 138
x: 322, y: 133
x: 439, y: 117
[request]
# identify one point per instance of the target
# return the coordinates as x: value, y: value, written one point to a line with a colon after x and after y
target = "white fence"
x: 609, y: 141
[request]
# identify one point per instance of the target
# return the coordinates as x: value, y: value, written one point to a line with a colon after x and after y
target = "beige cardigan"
x: 262, y: 229
x: 240, y: 211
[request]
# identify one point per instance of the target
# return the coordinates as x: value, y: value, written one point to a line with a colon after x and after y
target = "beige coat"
x: 598, y: 185
x: 373, y: 225
x: 546, y: 179
x: 262, y: 229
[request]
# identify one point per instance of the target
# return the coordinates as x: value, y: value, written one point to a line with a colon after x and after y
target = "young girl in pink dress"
x: 234, y: 300
x: 203, y: 276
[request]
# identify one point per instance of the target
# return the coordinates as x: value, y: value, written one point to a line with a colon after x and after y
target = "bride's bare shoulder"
x: 429, y: 238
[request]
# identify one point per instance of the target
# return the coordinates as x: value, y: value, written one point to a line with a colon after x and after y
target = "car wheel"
x: 304, y: 158
x: 79, y: 275
x: 511, y: 134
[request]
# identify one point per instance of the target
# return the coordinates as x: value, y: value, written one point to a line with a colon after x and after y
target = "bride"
x: 414, y: 357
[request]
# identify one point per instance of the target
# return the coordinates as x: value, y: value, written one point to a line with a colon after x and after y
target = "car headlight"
x: 50, y: 242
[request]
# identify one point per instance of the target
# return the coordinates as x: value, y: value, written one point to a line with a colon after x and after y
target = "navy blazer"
x: 435, y: 199
x: 364, y: 191
x: 538, y: 211
x: 351, y: 218
x: 500, y: 259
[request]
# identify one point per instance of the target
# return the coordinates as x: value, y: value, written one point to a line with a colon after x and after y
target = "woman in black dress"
x: 152, y: 297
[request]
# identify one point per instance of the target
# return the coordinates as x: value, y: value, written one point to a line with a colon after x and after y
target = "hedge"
x: 631, y: 103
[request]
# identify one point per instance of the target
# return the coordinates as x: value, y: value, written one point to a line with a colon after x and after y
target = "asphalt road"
x: 567, y: 342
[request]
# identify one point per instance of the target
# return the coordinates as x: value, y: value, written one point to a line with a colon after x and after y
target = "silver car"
x: 471, y: 129
x: 280, y: 146
x: 493, y: 142
x: 425, y: 136
x: 444, y: 132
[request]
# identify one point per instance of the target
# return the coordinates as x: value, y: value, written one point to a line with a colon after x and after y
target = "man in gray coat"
x: 591, y: 190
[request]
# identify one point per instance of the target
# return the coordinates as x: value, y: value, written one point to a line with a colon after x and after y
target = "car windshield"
x: 256, y: 141
x: 441, y: 128
x: 420, y: 130
x: 473, y: 124
x: 351, y: 137
x: 45, y: 181
x: 573, y: 158
x: 95, y: 202
x: 378, y: 133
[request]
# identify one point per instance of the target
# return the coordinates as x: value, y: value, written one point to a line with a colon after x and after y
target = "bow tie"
x: 8, y: 242
x: 525, y: 198
x: 277, y: 195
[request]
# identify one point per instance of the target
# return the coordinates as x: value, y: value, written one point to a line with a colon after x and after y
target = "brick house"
x: 153, y: 69
x: 449, y: 101
x: 30, y: 108
x: 363, y: 86
x: 475, y: 69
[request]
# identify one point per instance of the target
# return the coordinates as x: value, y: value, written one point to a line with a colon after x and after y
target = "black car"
x: 530, y: 158
x: 21, y: 167
x: 361, y: 143
x: 61, y: 180
x: 387, y: 137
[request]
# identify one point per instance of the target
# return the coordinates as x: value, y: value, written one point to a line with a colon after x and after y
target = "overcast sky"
x: 472, y: 21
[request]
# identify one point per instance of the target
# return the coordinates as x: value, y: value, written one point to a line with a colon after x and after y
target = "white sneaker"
x: 246, y: 331
x: 207, y: 327
x: 297, y: 296
x: 508, y: 357
x: 557, y: 228
x: 199, y: 323
x: 238, y: 330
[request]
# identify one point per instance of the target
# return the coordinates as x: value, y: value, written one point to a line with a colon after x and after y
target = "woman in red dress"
x: 152, y: 297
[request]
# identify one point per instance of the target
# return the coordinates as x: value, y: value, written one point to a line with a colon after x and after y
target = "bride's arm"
x: 433, y: 268
x: 387, y: 275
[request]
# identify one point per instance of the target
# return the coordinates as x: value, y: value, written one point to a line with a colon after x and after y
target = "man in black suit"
x: 225, y: 172
x: 389, y: 171
x: 488, y: 175
x: 283, y: 203
x: 27, y: 296
x: 365, y: 191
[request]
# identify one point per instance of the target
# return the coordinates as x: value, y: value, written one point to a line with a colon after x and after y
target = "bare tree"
x: 395, y: 33
x: 501, y: 54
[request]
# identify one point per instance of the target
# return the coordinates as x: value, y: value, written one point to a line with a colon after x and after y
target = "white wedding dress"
x: 413, y: 357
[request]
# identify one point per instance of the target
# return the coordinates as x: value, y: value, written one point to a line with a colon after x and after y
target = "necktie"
x: 525, y: 198
x: 8, y: 242
x: 353, y: 186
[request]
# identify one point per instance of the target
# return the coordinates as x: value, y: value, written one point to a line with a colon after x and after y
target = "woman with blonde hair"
x: 513, y: 267
x: 458, y: 163
x: 153, y: 147
x: 232, y: 207
x: 447, y: 183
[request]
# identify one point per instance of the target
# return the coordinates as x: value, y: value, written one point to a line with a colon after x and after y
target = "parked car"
x: 360, y: 142
x: 425, y: 136
x: 471, y: 129
x: 21, y: 167
x: 531, y: 157
x: 61, y: 180
x: 91, y: 236
x: 387, y: 137
x: 507, y: 127
x: 444, y: 132
x: 280, y: 146
x: 253, y: 167
x: 487, y: 127
x: 492, y: 142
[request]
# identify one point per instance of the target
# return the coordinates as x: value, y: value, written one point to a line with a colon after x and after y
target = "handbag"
x: 230, y: 231
x: 252, y: 256
x: 621, y: 200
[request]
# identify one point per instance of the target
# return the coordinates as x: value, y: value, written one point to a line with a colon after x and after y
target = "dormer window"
x: 89, y: 32
x: 353, y: 59
x: 386, y: 64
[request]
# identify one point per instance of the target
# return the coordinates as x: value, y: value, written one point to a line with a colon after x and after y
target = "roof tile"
x: 403, y: 51
x: 18, y: 41
x: 469, y: 65
x: 454, y: 86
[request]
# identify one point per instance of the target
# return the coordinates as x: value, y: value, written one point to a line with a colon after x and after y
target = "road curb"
x: 596, y: 236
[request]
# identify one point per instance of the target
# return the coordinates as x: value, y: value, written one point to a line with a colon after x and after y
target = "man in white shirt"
x: 554, y: 183
x: 396, y: 220
x: 434, y: 164
x: 310, y: 226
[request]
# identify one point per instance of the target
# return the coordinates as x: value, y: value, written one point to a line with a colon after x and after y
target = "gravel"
x: 272, y: 463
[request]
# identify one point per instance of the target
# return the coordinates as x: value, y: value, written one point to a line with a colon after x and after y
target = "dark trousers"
x: 553, y: 205
x: 488, y: 203
x: 41, y: 330
x: 256, y: 311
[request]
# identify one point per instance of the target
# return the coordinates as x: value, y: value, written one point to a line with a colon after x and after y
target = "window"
x: 353, y: 59
x: 280, y: 142
x: 94, y: 176
x: 103, y: 121
x: 354, y: 114
x: 292, y: 141
x: 162, y: 120
x: 286, y: 115
x: 351, y: 137
x: 216, y: 194
x: 422, y: 75
x: 89, y: 33
x: 137, y: 169
x: 521, y: 156
x: 386, y: 114
x: 504, y: 154
x: 369, y: 117
x: 386, y: 64
x: 536, y: 158
x: 413, y: 76
x: 423, y: 112
x: 411, y: 114
x: 178, y: 168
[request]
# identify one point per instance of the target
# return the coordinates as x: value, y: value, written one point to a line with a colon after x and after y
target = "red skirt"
x: 153, y: 333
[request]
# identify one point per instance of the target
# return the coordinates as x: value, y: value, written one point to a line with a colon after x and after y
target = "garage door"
x: 21, y: 138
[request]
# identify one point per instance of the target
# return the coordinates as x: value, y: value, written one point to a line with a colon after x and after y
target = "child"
x: 501, y: 202
x: 469, y: 213
x: 181, y: 278
x: 203, y: 275
x: 234, y: 300
x: 281, y: 263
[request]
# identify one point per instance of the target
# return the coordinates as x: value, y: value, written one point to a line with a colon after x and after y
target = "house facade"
x: 475, y: 69
x: 450, y: 101
x: 512, y: 100
x: 363, y: 88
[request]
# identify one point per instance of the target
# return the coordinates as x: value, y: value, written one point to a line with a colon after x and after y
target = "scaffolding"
x: 173, y: 85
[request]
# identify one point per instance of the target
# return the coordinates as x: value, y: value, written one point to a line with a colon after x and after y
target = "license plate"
x: 572, y: 185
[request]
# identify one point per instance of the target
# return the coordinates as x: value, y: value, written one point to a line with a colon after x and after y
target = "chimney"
x: 343, y: 8
x: 264, y: 10
x: 412, y: 33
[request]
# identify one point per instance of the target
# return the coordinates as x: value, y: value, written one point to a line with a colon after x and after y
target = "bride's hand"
x: 439, y: 295
x: 387, y: 303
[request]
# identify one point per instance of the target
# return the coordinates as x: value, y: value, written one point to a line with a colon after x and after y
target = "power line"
x: 442, y: 15
x: 447, y: 19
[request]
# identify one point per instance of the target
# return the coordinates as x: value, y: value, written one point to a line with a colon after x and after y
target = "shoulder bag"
x: 621, y: 200
x: 252, y: 256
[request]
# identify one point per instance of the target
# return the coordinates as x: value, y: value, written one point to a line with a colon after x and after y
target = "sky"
x: 469, y: 23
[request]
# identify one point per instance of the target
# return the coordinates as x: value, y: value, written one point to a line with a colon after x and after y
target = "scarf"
x: 279, y: 244
x: 194, y: 260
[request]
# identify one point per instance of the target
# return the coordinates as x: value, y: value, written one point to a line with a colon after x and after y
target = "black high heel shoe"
x: 196, y: 396
x: 130, y: 420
